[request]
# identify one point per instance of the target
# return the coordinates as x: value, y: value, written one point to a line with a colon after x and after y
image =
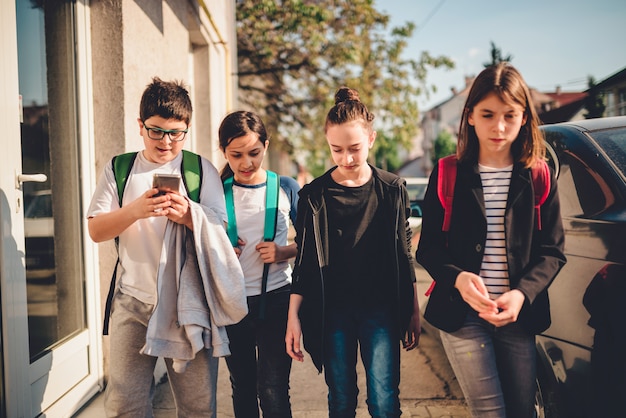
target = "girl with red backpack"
x: 493, y: 265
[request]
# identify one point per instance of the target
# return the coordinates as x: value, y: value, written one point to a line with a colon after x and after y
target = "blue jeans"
x: 259, y: 364
x: 495, y: 367
x: 375, y: 330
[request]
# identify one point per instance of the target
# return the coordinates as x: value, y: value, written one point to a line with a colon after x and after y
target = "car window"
x: 613, y: 142
x: 582, y: 191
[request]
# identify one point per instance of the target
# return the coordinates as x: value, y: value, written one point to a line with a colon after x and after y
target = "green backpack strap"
x: 191, y: 168
x: 192, y: 174
x: 122, y: 164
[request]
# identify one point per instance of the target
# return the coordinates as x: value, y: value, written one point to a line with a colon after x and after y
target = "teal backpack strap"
x: 192, y: 174
x: 271, y: 214
x: 271, y: 206
x: 272, y: 193
x: 231, y: 229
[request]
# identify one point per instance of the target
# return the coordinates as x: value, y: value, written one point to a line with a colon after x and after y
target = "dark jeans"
x: 375, y: 331
x: 259, y: 364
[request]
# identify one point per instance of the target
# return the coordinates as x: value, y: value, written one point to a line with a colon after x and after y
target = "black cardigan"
x: 534, y: 256
x: 311, y: 263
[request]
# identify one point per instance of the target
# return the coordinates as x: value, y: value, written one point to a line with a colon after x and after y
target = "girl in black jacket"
x: 354, y: 277
x: 493, y: 267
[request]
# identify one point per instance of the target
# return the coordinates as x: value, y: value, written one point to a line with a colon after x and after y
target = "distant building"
x: 563, y: 106
x: 614, y: 90
x: 445, y: 116
x: 552, y: 107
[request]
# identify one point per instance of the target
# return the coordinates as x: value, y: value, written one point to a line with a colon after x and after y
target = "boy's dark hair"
x: 167, y: 99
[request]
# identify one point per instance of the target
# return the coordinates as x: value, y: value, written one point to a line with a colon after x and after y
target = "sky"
x: 552, y: 42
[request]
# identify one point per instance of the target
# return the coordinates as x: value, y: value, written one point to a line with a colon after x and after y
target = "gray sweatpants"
x: 131, y: 385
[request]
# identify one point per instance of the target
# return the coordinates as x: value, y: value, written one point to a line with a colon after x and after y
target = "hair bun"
x: 345, y: 94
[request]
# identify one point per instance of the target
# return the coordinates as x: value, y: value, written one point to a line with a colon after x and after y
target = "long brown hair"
x: 507, y: 83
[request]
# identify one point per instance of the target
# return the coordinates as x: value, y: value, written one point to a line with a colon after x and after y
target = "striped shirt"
x: 494, y: 268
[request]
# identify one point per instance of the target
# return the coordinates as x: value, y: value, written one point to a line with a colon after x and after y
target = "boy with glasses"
x: 173, y: 251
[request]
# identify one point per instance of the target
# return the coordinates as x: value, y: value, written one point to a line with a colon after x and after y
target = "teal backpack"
x: 272, y: 190
x: 191, y: 168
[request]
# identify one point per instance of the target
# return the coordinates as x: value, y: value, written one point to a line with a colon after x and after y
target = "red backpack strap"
x: 540, y: 173
x: 445, y: 187
x: 446, y: 178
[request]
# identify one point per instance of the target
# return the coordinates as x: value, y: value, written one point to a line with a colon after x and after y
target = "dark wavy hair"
x: 235, y: 125
x: 167, y: 99
x: 507, y: 83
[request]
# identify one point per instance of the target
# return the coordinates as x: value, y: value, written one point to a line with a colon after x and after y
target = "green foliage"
x: 294, y: 54
x: 594, y: 102
x: 496, y: 56
x: 385, y: 153
x: 444, y: 145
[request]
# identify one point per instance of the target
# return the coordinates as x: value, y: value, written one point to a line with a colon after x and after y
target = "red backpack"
x: 445, y: 190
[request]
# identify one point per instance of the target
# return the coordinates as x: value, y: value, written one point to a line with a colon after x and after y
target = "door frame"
x: 19, y: 375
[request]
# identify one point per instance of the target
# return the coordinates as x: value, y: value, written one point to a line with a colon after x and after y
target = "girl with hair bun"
x: 354, y: 278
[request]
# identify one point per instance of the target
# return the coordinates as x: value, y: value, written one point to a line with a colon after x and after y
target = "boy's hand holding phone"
x: 166, y: 183
x: 178, y: 209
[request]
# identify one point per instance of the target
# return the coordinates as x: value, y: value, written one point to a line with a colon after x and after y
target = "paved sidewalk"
x: 428, y: 388
x: 424, y: 390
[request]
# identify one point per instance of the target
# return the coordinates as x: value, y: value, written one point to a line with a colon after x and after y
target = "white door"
x: 45, y: 337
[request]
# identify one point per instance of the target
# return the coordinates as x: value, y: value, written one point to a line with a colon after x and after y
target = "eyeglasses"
x: 158, y: 134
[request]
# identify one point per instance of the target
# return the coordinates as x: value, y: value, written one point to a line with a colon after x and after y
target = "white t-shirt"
x: 140, y: 244
x: 249, y: 203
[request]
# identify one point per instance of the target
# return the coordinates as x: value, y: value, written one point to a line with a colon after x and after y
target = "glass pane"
x: 52, y: 213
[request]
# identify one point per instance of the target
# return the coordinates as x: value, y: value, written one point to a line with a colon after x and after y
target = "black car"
x: 582, y: 356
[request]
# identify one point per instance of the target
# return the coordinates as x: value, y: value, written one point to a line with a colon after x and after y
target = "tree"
x: 444, y: 145
x: 496, y: 56
x: 594, y: 102
x: 294, y: 54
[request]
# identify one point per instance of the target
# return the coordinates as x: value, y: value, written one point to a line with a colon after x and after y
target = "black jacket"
x: 311, y: 263
x: 534, y: 256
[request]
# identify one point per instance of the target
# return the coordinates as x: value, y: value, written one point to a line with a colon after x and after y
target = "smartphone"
x: 166, y: 183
